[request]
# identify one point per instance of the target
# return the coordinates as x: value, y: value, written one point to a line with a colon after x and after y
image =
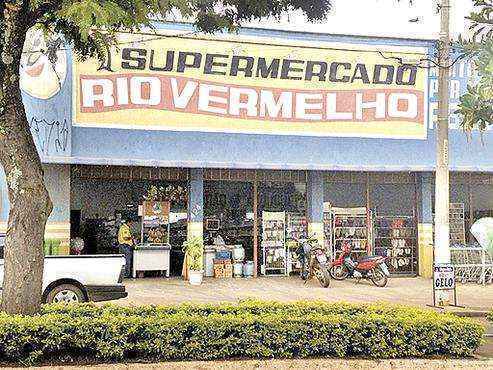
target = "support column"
x: 4, y: 203
x: 425, y: 226
x: 196, y: 204
x: 255, y: 226
x: 315, y: 197
x: 57, y: 180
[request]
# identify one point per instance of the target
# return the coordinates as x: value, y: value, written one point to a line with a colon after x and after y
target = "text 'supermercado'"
x: 290, y: 88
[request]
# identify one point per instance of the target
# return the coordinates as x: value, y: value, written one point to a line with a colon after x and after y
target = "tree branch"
x: 46, y: 7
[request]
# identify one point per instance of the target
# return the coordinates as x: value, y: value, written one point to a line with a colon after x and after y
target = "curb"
x: 469, y: 313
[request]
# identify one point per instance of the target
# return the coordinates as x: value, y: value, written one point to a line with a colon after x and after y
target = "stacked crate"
x: 223, y: 268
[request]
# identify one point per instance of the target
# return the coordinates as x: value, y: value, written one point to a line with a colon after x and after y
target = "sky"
x: 378, y: 18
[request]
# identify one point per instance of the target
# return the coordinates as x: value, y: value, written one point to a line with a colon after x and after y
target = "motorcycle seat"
x: 368, y: 258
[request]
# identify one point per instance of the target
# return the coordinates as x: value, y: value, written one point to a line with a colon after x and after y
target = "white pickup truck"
x: 81, y: 278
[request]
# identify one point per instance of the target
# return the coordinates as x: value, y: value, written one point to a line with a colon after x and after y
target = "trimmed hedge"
x: 250, y: 329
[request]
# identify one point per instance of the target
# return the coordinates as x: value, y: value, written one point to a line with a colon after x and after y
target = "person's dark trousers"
x: 126, y: 250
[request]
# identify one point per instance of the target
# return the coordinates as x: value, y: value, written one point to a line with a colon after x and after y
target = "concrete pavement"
x: 410, y: 291
x: 343, y: 364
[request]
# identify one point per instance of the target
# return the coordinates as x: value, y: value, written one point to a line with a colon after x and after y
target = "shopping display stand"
x: 457, y: 223
x: 327, y: 221
x: 153, y: 251
x: 353, y: 226
x: 274, y: 250
x: 396, y: 238
x: 296, y: 228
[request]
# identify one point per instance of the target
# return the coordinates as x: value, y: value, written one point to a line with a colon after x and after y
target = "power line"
x: 417, y: 64
x: 191, y: 33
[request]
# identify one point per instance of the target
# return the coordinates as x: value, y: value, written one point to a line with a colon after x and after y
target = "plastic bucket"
x: 238, y: 253
x: 248, y: 269
x: 238, y: 269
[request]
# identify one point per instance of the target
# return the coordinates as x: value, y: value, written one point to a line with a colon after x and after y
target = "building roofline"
x: 427, y: 41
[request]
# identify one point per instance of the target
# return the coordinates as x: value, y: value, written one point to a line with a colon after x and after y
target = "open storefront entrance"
x: 258, y: 212
x: 103, y: 196
x: 375, y: 213
x: 249, y: 217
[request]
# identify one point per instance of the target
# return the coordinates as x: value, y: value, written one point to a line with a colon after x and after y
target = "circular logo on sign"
x: 43, y: 65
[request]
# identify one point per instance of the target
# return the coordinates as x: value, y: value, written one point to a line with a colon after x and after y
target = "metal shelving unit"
x: 274, y: 253
x: 296, y: 228
x: 351, y: 225
x: 327, y: 220
x: 396, y: 238
x: 457, y: 223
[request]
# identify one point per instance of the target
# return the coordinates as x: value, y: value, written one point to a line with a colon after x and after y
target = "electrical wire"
x: 191, y: 33
x: 435, y: 64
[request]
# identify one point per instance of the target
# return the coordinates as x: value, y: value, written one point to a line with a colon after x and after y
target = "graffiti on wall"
x: 50, y: 137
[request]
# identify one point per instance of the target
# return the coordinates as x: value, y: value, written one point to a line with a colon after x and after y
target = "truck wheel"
x: 66, y: 293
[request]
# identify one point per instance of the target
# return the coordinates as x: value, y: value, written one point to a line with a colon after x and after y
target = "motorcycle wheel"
x: 339, y: 272
x: 304, y: 275
x: 378, y: 278
x: 323, y: 277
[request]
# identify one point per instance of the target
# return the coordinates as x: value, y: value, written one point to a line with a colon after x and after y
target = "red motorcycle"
x: 370, y: 267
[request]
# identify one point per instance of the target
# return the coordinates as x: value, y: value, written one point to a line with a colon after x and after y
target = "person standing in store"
x: 125, y: 245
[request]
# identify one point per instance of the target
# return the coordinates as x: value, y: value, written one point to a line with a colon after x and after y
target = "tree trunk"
x: 30, y: 204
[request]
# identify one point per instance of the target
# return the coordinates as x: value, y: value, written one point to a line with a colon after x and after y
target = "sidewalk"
x: 296, y: 364
x: 410, y: 291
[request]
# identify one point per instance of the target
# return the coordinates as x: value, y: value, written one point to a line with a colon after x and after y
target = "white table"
x: 151, y: 257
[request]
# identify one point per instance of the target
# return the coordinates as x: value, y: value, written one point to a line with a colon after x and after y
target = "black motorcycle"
x: 314, y: 261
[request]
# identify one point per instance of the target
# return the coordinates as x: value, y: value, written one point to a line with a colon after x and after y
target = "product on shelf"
x: 351, y: 225
x: 328, y: 227
x: 396, y: 239
x: 273, y: 243
x: 296, y: 229
x: 457, y: 223
x: 155, y: 228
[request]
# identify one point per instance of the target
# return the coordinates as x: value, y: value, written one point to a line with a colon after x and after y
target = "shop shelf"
x: 349, y: 239
x: 395, y: 237
x: 348, y: 227
x: 395, y: 228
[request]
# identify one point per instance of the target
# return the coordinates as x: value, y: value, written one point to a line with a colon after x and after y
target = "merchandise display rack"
x: 274, y: 252
x: 351, y: 225
x: 155, y: 228
x: 396, y: 238
x: 457, y: 223
x: 328, y: 227
x: 297, y: 228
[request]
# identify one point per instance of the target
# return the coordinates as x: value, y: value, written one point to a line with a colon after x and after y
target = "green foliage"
x: 250, y: 329
x: 476, y: 105
x: 194, y: 249
x: 490, y: 316
x: 91, y: 25
x: 50, y: 246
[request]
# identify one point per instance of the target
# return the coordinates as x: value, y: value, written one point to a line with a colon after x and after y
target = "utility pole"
x: 442, y: 179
